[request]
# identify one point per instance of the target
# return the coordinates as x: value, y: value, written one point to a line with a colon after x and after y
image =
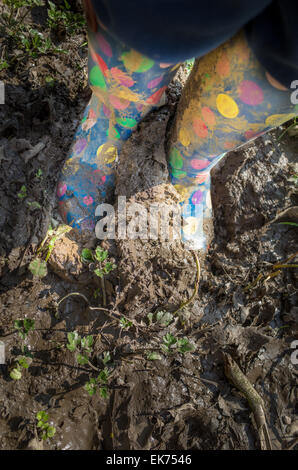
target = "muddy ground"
x: 180, y: 401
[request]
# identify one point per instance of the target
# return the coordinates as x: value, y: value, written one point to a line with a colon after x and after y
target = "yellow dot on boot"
x: 227, y: 106
x: 278, y: 119
x: 71, y: 166
x: 107, y: 153
x: 184, y: 136
x: 183, y: 192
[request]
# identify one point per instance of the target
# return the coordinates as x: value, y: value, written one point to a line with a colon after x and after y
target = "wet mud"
x: 179, y: 401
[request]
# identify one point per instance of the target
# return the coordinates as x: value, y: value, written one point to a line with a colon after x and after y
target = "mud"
x: 179, y: 401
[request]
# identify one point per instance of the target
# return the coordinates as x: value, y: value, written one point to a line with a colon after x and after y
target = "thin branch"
x: 236, y: 376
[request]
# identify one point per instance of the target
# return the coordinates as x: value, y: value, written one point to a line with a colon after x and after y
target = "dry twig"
x: 236, y: 376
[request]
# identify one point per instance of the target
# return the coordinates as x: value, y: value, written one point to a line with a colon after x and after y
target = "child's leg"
x: 229, y: 99
x: 125, y: 85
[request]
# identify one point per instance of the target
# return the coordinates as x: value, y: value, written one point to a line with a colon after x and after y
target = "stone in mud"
x: 65, y: 259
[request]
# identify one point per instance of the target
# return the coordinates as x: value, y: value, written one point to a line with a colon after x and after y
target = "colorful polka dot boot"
x: 228, y: 100
x: 125, y: 87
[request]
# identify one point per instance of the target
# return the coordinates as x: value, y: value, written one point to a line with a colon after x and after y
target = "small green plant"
x: 125, y: 323
x: 168, y: 341
x: 101, y: 266
x: 50, y: 81
x: 106, y: 357
x: 14, y: 5
x: 62, y: 17
x: 34, y: 43
x: 33, y: 205
x: 171, y: 345
x: 47, y: 431
x: 98, y: 383
x: 22, y: 35
x: 24, y: 326
x: 39, y: 173
x: 23, y: 192
x: 153, y: 356
x: 38, y: 265
x: 3, y: 65
x: 163, y: 317
x: 83, y: 346
x: 184, y: 346
x: 21, y: 362
x: 100, y: 258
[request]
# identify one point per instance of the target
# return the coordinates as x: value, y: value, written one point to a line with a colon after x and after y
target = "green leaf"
x: 3, y: 65
x: 150, y: 318
x: 24, y: 326
x: 106, y: 357
x: 164, y: 318
x: 99, y: 272
x: 100, y: 254
x: 82, y: 359
x: 15, y: 374
x: 18, y: 324
x: 183, y: 345
x: 42, y: 416
x: 91, y: 387
x: 103, y: 392
x: 108, y: 267
x: 153, y: 356
x: 51, y: 431
x: 165, y: 348
x: 103, y: 376
x: 23, y: 192
x: 86, y: 256
x: 24, y: 361
x: 73, y: 340
x: 38, y: 268
x: 50, y: 80
x: 62, y: 229
x: 28, y: 324
x: 169, y: 339
x: 72, y: 336
x: 124, y: 323
x: 34, y: 205
x: 87, y: 342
